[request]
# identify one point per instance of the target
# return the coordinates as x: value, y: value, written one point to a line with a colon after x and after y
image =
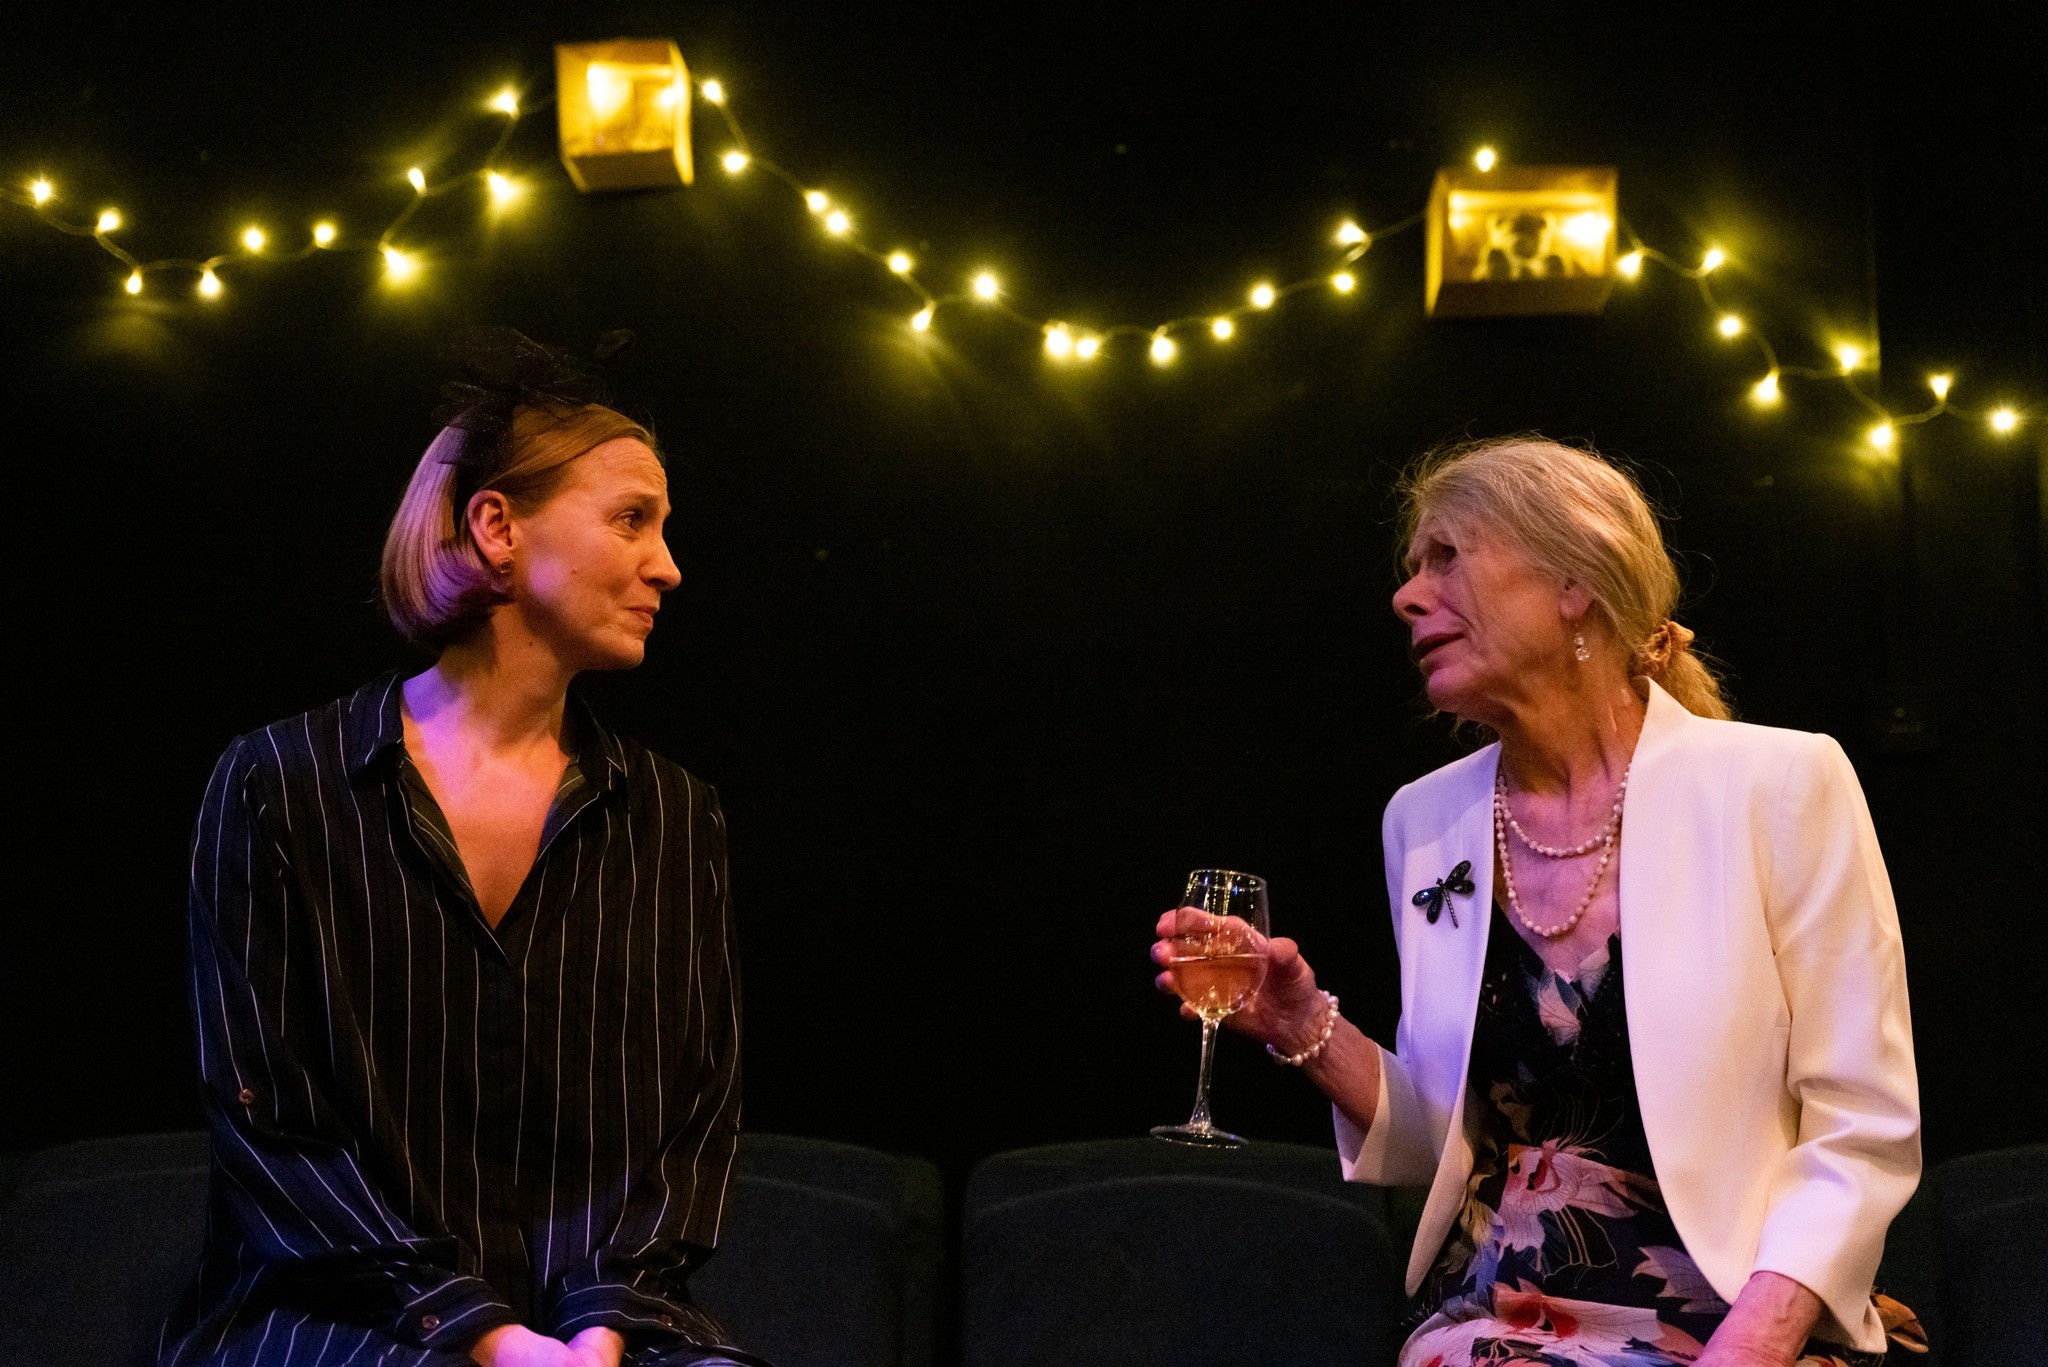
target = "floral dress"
x: 1563, y: 1252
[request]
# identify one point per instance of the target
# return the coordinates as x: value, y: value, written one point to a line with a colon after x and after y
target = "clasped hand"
x: 514, y: 1345
x: 1288, y: 1011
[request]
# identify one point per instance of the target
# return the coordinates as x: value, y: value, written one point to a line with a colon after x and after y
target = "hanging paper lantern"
x: 624, y: 113
x: 1520, y: 240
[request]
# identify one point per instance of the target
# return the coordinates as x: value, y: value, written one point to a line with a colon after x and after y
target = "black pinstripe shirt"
x: 424, y: 1128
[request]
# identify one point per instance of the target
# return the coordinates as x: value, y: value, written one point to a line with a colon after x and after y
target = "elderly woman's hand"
x: 1288, y: 1013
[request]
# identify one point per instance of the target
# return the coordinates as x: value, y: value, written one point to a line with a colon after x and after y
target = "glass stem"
x: 1200, y: 1119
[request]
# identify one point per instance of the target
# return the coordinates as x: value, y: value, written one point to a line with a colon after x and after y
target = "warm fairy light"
x: 1059, y: 343
x: 922, y: 319
x: 41, y: 191
x: 399, y: 267
x: 1087, y: 348
x: 134, y: 285
x: 1587, y: 230
x: 900, y: 262
x: 1163, y: 349
x: 1850, y: 355
x: 1766, y: 390
x: 836, y: 222
x: 506, y: 101
x: 209, y: 284
x: 503, y: 188
x: 713, y: 92
x: 323, y: 234
x: 253, y: 239
x: 1262, y: 295
x: 669, y: 96
x: 1630, y: 264
x: 1882, y: 436
x: 1351, y: 235
x: 1713, y: 260
x: 736, y: 161
x: 985, y: 286
x: 1224, y: 329
x: 2004, y: 420
x: 1940, y: 385
x: 1484, y: 158
x: 816, y: 201
x: 1344, y: 282
x: 109, y: 220
x: 1730, y: 325
x: 418, y: 179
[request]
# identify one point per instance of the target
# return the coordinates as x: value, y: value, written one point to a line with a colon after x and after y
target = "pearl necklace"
x: 1503, y: 819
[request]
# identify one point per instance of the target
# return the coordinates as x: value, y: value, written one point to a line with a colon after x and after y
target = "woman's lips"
x: 1422, y: 648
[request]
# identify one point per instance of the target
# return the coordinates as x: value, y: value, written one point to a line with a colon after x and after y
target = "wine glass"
x: 1217, y: 972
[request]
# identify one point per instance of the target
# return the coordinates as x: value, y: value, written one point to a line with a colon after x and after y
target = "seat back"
x: 1989, y: 1211
x: 1134, y: 1253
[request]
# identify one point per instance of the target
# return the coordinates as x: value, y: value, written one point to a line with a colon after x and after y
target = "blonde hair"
x: 1582, y: 520
x: 433, y: 582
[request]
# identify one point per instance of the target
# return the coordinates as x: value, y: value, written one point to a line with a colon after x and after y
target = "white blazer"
x: 1766, y: 995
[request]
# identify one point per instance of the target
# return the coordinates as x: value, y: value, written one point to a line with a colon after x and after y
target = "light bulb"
x: 900, y: 262
x: 134, y: 285
x: 1850, y: 355
x: 109, y: 220
x: 1730, y: 325
x: 736, y: 161
x: 1344, y: 282
x: 836, y: 222
x: 922, y: 319
x: 41, y: 190
x: 1940, y: 385
x: 1262, y: 295
x: 2004, y: 420
x: 713, y: 92
x: 209, y: 284
x: 1087, y: 347
x: 253, y: 239
x: 985, y: 286
x: 1351, y: 235
x: 503, y: 188
x: 506, y: 101
x: 1713, y: 260
x: 418, y: 179
x: 1224, y: 329
x: 669, y: 96
x: 816, y: 202
x: 1059, y: 343
x: 1163, y: 349
x: 1882, y: 436
x: 1766, y: 390
x: 1484, y: 158
x: 1630, y: 264
x: 399, y: 267
x: 323, y: 234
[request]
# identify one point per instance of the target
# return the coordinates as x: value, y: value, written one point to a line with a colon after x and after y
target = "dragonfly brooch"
x: 1436, y: 900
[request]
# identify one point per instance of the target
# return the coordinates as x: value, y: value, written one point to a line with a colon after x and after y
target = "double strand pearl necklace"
x: 1504, y: 819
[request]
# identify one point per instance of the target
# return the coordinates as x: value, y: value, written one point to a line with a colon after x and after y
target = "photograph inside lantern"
x: 632, y: 105
x: 624, y: 107
x: 1524, y: 235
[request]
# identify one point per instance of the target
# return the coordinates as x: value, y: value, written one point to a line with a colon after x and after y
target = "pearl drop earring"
x: 1579, y: 651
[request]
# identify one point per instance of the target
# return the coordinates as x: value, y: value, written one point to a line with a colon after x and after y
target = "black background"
x: 983, y: 653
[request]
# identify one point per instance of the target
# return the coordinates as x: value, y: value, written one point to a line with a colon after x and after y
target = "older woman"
x: 1653, y: 1063
x: 463, y: 965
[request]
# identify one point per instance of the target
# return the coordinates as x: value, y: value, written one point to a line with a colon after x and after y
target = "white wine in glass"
x: 1217, y: 971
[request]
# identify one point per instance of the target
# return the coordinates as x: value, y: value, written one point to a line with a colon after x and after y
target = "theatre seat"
x: 1990, y: 1211
x: 1137, y: 1253
x: 831, y: 1255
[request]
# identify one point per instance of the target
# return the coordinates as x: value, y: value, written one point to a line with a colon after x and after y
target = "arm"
x: 634, y: 1282
x: 1849, y: 1063
x: 285, y: 1151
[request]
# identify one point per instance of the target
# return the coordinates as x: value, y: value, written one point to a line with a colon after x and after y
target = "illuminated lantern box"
x: 1520, y: 240
x: 624, y: 113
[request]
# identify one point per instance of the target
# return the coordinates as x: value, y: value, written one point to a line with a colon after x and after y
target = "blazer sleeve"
x: 1835, y: 934
x: 282, y: 1151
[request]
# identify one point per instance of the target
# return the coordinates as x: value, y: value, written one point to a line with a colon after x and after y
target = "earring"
x: 1579, y: 651
x: 503, y: 567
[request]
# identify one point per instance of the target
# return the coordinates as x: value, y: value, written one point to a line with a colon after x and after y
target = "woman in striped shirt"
x: 462, y: 959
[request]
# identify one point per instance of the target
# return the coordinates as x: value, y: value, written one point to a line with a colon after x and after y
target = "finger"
x: 1164, y: 982
x: 1282, y: 952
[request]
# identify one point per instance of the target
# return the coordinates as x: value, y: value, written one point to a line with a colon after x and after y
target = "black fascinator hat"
x: 503, y: 370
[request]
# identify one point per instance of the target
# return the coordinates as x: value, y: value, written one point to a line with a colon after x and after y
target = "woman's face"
x: 1485, y: 626
x: 590, y: 564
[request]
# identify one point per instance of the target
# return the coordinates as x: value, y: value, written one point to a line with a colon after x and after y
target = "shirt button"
x: 429, y: 1323
x: 247, y: 1097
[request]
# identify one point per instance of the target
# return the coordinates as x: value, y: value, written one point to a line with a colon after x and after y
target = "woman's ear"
x: 1574, y: 603
x: 490, y: 522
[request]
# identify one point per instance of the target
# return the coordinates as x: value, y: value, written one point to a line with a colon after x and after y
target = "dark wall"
x: 980, y: 654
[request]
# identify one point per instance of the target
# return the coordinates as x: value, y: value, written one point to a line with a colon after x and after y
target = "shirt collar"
x: 373, y: 729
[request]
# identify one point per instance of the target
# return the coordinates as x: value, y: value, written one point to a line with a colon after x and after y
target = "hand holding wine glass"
x: 1287, y: 1011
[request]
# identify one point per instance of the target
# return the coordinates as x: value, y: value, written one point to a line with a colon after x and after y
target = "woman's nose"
x: 1410, y: 601
x: 664, y: 574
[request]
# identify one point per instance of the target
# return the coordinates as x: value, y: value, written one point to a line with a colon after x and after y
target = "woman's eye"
x: 633, y: 519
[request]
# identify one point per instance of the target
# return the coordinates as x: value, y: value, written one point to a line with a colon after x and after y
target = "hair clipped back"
x: 1582, y: 520
x: 521, y: 414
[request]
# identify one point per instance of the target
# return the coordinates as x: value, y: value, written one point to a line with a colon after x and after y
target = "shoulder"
x: 309, y: 746
x: 654, y: 777
x: 1442, y: 793
x: 1763, y: 760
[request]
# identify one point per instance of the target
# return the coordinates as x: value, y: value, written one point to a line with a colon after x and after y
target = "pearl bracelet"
x: 1329, y: 1027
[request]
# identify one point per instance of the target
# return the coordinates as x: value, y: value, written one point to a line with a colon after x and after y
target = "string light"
x: 209, y: 284
x: 41, y: 191
x: 713, y: 92
x: 1262, y: 295
x: 1850, y: 355
x: 418, y: 178
x: 400, y: 267
x: 1765, y: 390
x: 503, y: 189
x: 1344, y: 282
x: 922, y: 319
x: 900, y: 263
x: 134, y: 285
x: 1059, y: 343
x: 1630, y: 264
x: 1351, y: 235
x: 1088, y: 347
x: 2004, y: 420
x: 253, y: 239
x: 109, y: 220
x: 986, y: 288
x: 506, y: 102
x: 816, y: 202
x: 1712, y: 261
x: 1882, y: 436
x: 323, y: 234
x: 736, y: 161
x: 1730, y: 325
x: 1163, y: 349
x: 1223, y: 329
x: 1940, y: 385
x: 836, y: 222
x: 1485, y: 158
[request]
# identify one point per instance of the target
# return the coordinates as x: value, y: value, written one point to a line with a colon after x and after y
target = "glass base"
x: 1202, y: 1136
